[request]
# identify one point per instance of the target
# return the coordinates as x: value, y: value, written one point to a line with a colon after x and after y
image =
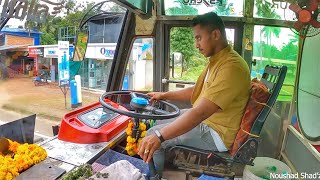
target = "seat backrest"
x: 262, y: 96
x: 273, y: 78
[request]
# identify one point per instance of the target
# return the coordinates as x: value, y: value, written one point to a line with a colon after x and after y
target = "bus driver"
x: 218, y: 99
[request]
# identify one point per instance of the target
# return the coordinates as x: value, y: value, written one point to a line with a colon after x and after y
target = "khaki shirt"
x: 226, y: 82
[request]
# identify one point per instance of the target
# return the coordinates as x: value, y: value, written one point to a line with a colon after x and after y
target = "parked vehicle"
x: 41, y: 79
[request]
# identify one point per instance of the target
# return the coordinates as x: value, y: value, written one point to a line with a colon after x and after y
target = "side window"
x: 186, y: 62
x: 139, y: 71
x: 276, y: 46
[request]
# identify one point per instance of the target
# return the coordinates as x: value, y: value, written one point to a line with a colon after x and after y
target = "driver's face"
x: 205, y: 40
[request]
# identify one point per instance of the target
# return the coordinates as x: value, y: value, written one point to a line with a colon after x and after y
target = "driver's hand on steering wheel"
x: 148, y: 146
x: 155, y: 96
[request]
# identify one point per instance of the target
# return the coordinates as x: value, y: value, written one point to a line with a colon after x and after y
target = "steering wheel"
x: 140, y: 102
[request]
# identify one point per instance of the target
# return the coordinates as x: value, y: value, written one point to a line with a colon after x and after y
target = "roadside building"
x: 14, y: 44
x: 46, y: 59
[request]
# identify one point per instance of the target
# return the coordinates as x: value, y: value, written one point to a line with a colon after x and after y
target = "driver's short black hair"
x: 212, y: 21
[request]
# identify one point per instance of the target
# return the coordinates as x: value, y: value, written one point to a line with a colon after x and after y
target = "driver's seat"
x: 263, y: 96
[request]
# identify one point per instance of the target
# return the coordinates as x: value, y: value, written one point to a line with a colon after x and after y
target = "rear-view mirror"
x: 81, y: 44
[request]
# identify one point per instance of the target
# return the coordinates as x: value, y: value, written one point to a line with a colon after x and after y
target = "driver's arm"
x: 179, y: 95
x: 190, y: 119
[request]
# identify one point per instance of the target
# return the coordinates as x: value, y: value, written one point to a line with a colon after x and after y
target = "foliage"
x: 182, y: 40
x: 287, y: 52
x: 47, y: 39
x: 82, y: 172
x: 73, y: 11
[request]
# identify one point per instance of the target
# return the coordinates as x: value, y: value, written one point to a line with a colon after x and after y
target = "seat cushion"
x: 259, y: 96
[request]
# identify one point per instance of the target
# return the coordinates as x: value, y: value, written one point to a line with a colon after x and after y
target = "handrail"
x: 164, y: 81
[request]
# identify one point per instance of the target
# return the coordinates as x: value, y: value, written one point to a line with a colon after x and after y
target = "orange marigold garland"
x: 19, y: 158
x: 133, y: 143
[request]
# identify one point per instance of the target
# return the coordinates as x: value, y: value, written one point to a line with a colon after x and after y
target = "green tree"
x: 70, y: 6
x: 290, y: 51
x: 265, y: 11
x: 182, y: 40
x: 47, y: 39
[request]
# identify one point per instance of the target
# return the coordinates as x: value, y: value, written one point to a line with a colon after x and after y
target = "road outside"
x: 20, y: 98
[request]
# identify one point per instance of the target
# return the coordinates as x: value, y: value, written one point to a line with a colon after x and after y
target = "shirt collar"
x: 220, y: 54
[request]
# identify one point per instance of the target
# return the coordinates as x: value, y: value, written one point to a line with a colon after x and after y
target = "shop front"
x: 13, y: 54
x: 46, y: 60
x: 96, y: 67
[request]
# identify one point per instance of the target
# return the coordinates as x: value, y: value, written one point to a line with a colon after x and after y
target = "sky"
x: 203, y: 9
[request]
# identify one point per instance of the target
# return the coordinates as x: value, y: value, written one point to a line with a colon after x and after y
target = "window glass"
x: 104, y: 33
x: 139, y: 71
x: 309, y: 90
x: 96, y: 31
x: 106, y: 30
x: 273, y: 10
x: 191, y: 7
x: 186, y: 62
x: 276, y: 46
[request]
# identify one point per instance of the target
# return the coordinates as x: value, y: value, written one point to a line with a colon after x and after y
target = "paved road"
x: 43, y: 126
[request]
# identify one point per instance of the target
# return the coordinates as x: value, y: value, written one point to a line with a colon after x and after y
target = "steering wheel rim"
x: 173, y: 114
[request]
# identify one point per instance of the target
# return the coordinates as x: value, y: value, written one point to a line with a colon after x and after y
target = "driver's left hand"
x: 148, y: 146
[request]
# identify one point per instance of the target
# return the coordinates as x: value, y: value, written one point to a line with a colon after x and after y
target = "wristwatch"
x: 159, y: 136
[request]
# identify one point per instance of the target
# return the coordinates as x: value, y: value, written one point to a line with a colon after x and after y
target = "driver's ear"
x: 216, y: 34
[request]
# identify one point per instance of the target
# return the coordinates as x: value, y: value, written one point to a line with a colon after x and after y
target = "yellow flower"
x: 13, y: 146
x: 130, y: 139
x: 143, y: 134
x: 142, y: 126
x: 130, y: 125
x: 23, y: 156
x: 129, y: 131
x: 131, y: 153
x: 2, y: 175
x: 9, y: 176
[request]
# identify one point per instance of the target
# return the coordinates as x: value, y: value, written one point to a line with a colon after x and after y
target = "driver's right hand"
x: 155, y: 96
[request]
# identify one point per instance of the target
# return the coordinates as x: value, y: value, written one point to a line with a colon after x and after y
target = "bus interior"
x: 153, y: 49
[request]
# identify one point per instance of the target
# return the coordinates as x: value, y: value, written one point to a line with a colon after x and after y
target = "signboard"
x: 71, y: 50
x: 63, y: 63
x: 100, y: 51
x: 33, y: 10
x: 35, y: 52
x: 51, y: 52
x: 208, y: 3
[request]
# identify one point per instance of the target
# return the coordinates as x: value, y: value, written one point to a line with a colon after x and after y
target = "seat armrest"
x: 247, y: 152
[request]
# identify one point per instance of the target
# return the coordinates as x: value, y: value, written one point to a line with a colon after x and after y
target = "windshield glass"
x: 31, y: 59
x: 221, y: 7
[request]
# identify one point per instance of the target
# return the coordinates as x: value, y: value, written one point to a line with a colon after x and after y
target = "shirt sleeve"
x: 229, y: 82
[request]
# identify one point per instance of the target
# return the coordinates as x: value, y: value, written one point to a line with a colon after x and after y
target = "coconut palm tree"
x: 265, y: 11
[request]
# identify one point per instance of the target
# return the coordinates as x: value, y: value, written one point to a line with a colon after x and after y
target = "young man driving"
x: 218, y: 99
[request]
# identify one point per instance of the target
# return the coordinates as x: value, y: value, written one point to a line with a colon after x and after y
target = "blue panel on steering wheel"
x: 140, y: 101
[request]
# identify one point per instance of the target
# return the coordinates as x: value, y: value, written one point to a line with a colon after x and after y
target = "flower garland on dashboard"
x: 19, y: 158
x: 133, y: 143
